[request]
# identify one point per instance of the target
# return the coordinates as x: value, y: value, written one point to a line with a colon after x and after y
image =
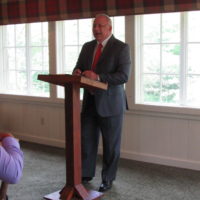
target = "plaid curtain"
x: 26, y: 11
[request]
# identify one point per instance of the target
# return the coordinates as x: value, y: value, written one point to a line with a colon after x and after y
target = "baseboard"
x: 41, y: 140
x: 144, y: 157
x: 161, y: 160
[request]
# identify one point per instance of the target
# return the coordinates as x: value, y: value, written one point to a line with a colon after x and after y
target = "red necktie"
x: 97, y: 56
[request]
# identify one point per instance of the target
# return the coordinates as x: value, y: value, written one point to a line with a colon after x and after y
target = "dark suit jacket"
x: 113, y: 68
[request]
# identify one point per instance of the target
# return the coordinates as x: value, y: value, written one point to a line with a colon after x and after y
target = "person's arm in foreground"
x: 11, y: 159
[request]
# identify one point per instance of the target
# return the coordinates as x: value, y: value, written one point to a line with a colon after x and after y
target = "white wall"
x: 156, y: 138
x: 36, y: 122
x: 162, y: 140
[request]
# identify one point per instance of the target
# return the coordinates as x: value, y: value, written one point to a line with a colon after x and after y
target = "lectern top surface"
x: 65, y: 79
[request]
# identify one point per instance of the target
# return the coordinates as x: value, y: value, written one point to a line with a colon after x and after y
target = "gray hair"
x: 106, y: 16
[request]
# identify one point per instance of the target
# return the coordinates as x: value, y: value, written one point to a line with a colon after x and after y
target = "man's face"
x: 101, y: 28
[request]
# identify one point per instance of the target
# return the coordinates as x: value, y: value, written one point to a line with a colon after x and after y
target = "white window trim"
x: 1, y: 61
x: 52, y: 99
x: 139, y: 109
x: 131, y: 87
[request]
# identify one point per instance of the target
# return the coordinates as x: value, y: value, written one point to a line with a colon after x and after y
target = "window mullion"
x: 60, y: 46
x: 78, y: 36
x: 183, y: 59
x: 5, y: 63
x: 2, y: 81
x: 60, y: 52
x: 43, y: 46
x: 28, y: 57
x: 63, y: 48
x: 15, y: 69
x: 140, y: 71
x: 52, y: 55
x: 161, y: 55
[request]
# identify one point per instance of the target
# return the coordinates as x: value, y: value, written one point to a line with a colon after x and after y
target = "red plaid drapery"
x: 25, y: 11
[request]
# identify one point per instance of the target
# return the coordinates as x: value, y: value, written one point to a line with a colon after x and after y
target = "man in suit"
x: 105, y: 59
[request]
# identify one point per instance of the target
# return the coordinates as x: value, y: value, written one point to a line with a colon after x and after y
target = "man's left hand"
x: 90, y: 74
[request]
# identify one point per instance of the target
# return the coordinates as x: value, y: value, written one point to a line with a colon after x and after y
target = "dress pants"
x: 92, y: 124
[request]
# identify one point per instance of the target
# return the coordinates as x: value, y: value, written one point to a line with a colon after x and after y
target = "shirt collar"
x: 105, y: 41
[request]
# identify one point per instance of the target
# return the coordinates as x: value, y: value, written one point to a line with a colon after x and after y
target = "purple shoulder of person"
x: 11, y: 160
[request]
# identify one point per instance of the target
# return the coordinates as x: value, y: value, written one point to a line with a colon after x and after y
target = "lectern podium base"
x: 53, y: 196
x: 92, y: 195
x: 73, y: 189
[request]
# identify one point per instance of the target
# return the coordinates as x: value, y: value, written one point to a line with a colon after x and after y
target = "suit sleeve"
x: 122, y: 69
x: 11, y: 160
x: 81, y: 59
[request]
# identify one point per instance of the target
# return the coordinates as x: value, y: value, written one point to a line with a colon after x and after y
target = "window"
x: 24, y: 55
x: 71, y: 35
x: 167, y: 59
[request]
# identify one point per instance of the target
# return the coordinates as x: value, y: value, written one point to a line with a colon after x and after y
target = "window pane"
x: 9, y: 34
x: 39, y: 88
x: 193, y: 26
x: 119, y: 27
x: 45, y: 32
x: 151, y: 62
x: 21, y: 82
x: 151, y: 28
x: 151, y: 88
x: 170, y: 89
x: 10, y: 58
x: 193, y: 97
x: 21, y: 61
x: 36, y: 58
x: 12, y: 81
x: 85, y: 33
x: 168, y: 65
x: 171, y: 27
x: 36, y: 34
x: 71, y: 32
x: 20, y: 35
x: 170, y: 58
x: 17, y: 82
x: 45, y: 58
x: 193, y: 58
x: 70, y: 58
x: 25, y: 50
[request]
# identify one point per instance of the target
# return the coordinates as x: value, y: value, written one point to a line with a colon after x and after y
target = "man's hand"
x: 3, y: 135
x: 77, y: 72
x: 90, y: 74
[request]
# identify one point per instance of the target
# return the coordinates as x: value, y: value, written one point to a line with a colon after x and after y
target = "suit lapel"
x: 107, y: 48
x: 91, y: 53
x: 105, y: 52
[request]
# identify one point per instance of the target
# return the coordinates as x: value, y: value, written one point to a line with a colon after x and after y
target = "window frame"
x: 28, y: 70
x: 61, y: 42
x: 183, y: 112
x: 134, y: 108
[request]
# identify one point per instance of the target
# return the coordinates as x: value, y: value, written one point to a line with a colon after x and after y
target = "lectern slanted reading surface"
x: 72, y: 85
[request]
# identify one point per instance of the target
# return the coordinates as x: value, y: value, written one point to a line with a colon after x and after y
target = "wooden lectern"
x: 72, y: 84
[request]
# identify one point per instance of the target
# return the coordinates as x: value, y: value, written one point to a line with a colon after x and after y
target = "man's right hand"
x: 77, y: 72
